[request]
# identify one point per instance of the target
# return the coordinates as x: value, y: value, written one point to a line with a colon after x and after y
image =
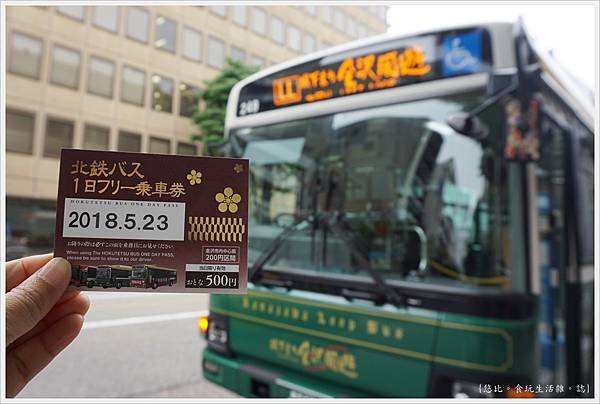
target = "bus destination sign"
x: 388, y: 65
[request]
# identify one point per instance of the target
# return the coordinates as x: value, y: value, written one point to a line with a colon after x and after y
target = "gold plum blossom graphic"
x: 228, y: 200
x: 195, y: 177
x: 238, y: 168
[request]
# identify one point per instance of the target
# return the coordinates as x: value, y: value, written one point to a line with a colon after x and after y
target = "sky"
x: 569, y: 31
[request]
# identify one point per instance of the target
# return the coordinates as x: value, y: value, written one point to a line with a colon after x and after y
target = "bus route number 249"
x: 249, y: 107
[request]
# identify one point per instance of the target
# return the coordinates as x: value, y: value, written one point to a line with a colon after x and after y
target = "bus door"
x: 549, y: 275
x: 564, y: 199
x: 561, y: 227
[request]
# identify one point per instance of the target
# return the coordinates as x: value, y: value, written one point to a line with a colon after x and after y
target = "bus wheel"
x: 171, y: 283
x: 90, y: 284
x: 154, y: 285
x: 119, y: 285
x: 105, y: 286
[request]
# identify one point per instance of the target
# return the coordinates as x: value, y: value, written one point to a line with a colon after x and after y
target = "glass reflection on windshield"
x: 424, y: 203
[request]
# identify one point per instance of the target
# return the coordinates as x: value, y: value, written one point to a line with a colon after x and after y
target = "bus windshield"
x: 425, y: 203
x: 102, y: 273
x: 138, y: 273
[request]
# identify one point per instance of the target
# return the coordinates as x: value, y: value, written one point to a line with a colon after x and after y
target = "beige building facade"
x: 124, y: 78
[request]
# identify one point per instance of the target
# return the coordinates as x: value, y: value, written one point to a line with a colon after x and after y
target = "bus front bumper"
x: 249, y: 377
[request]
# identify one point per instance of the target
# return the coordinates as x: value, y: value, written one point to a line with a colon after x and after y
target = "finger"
x: 30, y: 301
x: 65, y: 305
x: 19, y: 270
x: 78, y: 304
x: 25, y: 361
x: 68, y: 295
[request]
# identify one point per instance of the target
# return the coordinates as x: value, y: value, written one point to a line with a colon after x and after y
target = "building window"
x: 238, y: 54
x: 277, y: 29
x: 166, y: 34
x: 65, y: 67
x: 309, y: 43
x: 133, y: 82
x: 239, y: 15
x: 257, y: 61
x: 77, y: 12
x: 162, y: 93
x: 101, y: 73
x: 19, y: 131
x: 59, y: 134
x: 293, y: 38
x: 129, y: 142
x: 338, y: 20
x: 25, y: 55
x: 192, y: 44
x: 188, y: 149
x: 216, y: 52
x: 259, y: 21
x: 159, y: 145
x: 107, y: 17
x: 137, y: 24
x: 188, y: 99
x: 326, y: 14
x: 221, y: 11
x: 95, y: 137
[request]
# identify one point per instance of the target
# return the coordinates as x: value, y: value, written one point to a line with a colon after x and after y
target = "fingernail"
x: 57, y: 273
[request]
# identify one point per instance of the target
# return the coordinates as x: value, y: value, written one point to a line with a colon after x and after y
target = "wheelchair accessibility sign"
x: 461, y: 54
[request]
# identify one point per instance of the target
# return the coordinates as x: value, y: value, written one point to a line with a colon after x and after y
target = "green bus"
x: 420, y: 224
x: 110, y: 276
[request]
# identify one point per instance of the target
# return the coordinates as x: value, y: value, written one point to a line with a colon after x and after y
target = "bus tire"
x: 154, y: 285
x: 171, y: 283
x: 105, y: 286
x: 119, y: 285
x: 90, y: 284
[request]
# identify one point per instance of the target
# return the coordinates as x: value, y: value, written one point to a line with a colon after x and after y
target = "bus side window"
x: 584, y: 199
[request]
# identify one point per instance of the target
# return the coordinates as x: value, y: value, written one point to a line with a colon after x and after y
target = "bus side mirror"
x: 501, y: 83
x: 468, y: 125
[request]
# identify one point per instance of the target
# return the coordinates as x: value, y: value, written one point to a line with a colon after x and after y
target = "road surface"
x: 132, y: 345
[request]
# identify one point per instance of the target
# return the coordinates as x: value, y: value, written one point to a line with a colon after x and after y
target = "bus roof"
x: 121, y: 267
x: 153, y: 267
x: 502, y: 53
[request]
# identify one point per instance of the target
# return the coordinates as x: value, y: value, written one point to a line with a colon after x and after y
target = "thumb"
x: 29, y: 302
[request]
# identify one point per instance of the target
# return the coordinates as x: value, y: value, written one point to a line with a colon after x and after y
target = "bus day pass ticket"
x: 153, y: 222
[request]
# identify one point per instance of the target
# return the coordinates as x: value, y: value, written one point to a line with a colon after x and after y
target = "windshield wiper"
x: 276, y: 245
x: 360, y: 253
x: 337, y: 223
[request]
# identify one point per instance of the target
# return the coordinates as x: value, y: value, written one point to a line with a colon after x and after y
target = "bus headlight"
x: 217, y: 335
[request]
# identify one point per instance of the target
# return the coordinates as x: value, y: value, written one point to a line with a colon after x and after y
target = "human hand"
x: 42, y: 318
